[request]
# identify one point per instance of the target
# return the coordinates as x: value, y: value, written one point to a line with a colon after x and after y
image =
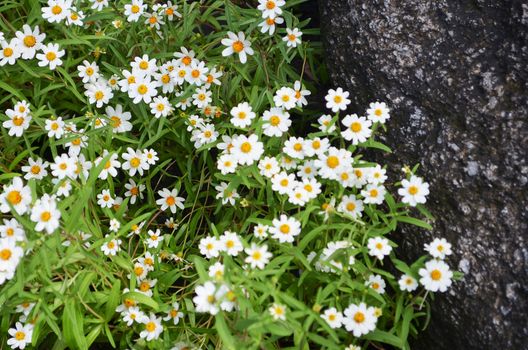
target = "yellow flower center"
x: 274, y: 120
x: 18, y: 120
x: 378, y: 112
x: 285, y: 228
x: 134, y: 9
x: 138, y: 270
x: 292, y: 37
x: 238, y: 46
x: 245, y: 147
x: 359, y: 317
x: 63, y: 166
x: 270, y: 21
x: 20, y: 335
x: 45, y: 216
x: 14, y: 197
x: 8, y: 52
x: 332, y: 317
x: 30, y: 41
x: 10, y: 232
x: 150, y: 326
x: 338, y: 99
x: 89, y: 71
x: 165, y: 78
x: 50, y: 56
x: 298, y: 147
x: 436, y: 275
x: 142, y: 89
x: 350, y: 206
x: 56, y: 10
x: 99, y: 95
x: 256, y: 256
x: 332, y: 162
x: 413, y: 190
x: 355, y: 126
x: 186, y: 60
x: 143, y: 65
x: 270, y: 5
x: 170, y: 200
x: 5, y: 254
x: 373, y: 192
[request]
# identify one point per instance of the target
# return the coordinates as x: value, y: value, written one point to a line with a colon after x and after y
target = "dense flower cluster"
x: 154, y: 190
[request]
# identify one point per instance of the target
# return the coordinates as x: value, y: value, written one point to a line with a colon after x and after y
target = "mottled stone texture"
x: 455, y: 74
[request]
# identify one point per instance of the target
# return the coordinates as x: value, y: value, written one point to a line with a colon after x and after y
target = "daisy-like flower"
x: 333, y: 317
x: 237, y: 44
x: 283, y: 183
x: 135, y: 10
x: 285, y: 228
x: 99, y: 4
x: 46, y: 214
x: 414, y: 191
x: 276, y: 122
x: 231, y: 243
x: 300, y: 94
x: 134, y: 191
x: 55, y: 127
x: 261, y: 231
x: 105, y: 199
x: 11, y: 229
x: 439, y: 248
x: 111, y: 247
x: 216, y: 271
x: 247, y: 150
x: 278, y: 312
x: 133, y: 314
x: 174, y: 314
x: 269, y: 166
x: 110, y: 167
x: 16, y: 195
x: 151, y: 156
x: 210, y: 247
x: 294, y: 147
x: 203, y: 135
x: 153, y: 328
x: 271, y: 8
x: 169, y: 10
x: 10, y: 255
x: 154, y: 20
x: 212, y: 77
x: 36, y: 169
x: 270, y: 24
x: 329, y: 165
x: 134, y: 162
x: 20, y: 336
x: 29, y: 41
x: 293, y: 37
x: 143, y: 89
x: 9, y: 52
x: 360, y: 319
x: 337, y: 100
x: 379, y: 247
x: 197, y: 73
x: 436, y: 276
x: 119, y: 120
x: 202, y: 98
x: 325, y: 124
x: 374, y: 194
x: 227, y: 164
x: 358, y: 129
x: 285, y: 98
x: 242, y: 115
x: 378, y: 112
x: 89, y: 72
x: 144, y: 66
x: 76, y: 17
x: 161, y: 107
x: 377, y: 175
x: 17, y: 122
x: 208, y: 297
x: 170, y: 200
x: 258, y: 256
x: 377, y: 283
x: 22, y: 107
x: 407, y: 283
x: 57, y: 10
x: 154, y: 238
x: 98, y: 93
x: 227, y: 196
x: 351, y: 205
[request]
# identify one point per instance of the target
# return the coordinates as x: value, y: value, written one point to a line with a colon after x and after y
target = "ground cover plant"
x: 158, y: 192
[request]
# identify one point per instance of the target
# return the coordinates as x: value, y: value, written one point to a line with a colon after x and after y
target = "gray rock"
x: 455, y: 74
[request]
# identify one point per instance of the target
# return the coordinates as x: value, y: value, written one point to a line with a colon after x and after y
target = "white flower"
x: 271, y: 8
x: 269, y: 24
x: 227, y: 164
x: 333, y: 317
x: 119, y: 120
x: 438, y: 248
x: 55, y: 127
x: 114, y: 225
x: 377, y: 283
x: 144, y: 66
x: 283, y: 183
x: 294, y: 147
x: 143, y: 89
x: 268, y: 166
x: 285, y: 98
x: 17, y: 122
x: 46, y: 214
x: 436, y: 276
x: 231, y: 243
x: 11, y: 229
x: 110, y: 166
x: 285, y: 228
x: 374, y: 194
x: 98, y: 4
x: 359, y: 319
x: 247, y: 150
x: 325, y: 124
x: 105, y: 199
x: 161, y: 107
x: 21, y: 336
x: 197, y: 73
x: 16, y: 195
x: 133, y: 314
x: 10, y: 52
x: 174, y: 314
x: 57, y: 10
x: 151, y: 156
x: 257, y: 257
x: 276, y: 122
x: 237, y: 44
x: 242, y: 115
x: 170, y: 10
x: 153, y: 328
x: 278, y: 312
x: 337, y: 100
x: 135, y: 10
x: 75, y: 17
x: 379, y: 247
x: 154, y: 238
x: 293, y: 37
x: 111, y: 247
x: 216, y: 271
x: 300, y: 94
x: 50, y: 56
x: 10, y: 255
x: 98, y: 93
x: 207, y: 298
x: 89, y: 72
x: 170, y: 200
x: 414, y: 191
x: 407, y: 283
x: 29, y: 41
x: 358, y: 129
x: 261, y: 231
x: 227, y: 196
x: 378, y: 112
x: 134, y: 191
x: 202, y: 98
x: 209, y: 247
x: 351, y: 205
x: 376, y: 175
x: 134, y: 162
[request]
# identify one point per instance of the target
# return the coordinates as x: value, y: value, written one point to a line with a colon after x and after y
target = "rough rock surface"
x: 455, y: 74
